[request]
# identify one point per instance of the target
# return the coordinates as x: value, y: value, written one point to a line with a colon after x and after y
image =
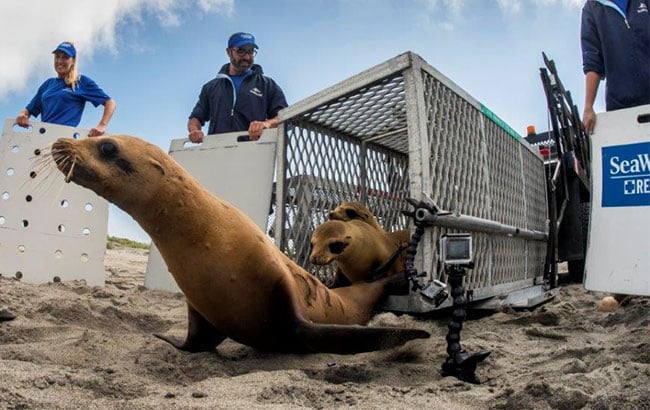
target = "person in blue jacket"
x: 61, y: 99
x: 240, y: 98
x: 615, y: 41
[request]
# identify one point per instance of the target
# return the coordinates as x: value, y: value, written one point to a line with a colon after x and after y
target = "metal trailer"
x: 566, y: 150
x: 403, y: 130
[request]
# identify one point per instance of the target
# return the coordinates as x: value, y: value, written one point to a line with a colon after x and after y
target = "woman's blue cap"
x: 66, y: 48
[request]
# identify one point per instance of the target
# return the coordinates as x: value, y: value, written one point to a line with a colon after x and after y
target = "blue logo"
x: 626, y: 175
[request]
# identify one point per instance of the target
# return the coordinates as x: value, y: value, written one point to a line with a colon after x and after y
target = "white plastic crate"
x: 49, y: 230
x: 238, y: 172
x: 618, y: 254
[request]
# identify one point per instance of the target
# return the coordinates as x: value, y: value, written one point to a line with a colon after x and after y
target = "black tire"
x: 577, y: 267
x: 576, y: 271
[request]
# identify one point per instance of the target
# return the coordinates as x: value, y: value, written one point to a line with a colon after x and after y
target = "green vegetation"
x: 112, y: 240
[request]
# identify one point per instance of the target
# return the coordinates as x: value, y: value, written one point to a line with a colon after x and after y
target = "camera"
x: 456, y: 249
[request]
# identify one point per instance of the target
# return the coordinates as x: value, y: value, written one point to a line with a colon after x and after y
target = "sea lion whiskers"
x: 43, y: 170
x: 68, y: 176
x: 65, y: 161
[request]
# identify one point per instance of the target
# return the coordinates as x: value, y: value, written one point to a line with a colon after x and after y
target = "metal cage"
x: 402, y: 129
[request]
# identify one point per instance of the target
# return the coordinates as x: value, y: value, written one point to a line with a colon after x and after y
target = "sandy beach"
x: 73, y: 346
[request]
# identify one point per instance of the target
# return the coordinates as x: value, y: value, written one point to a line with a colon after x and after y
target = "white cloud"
x: 566, y: 3
x: 512, y: 7
x: 509, y: 6
x: 30, y: 29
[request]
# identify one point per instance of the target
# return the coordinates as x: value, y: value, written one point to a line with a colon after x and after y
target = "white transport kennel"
x: 618, y: 256
x: 49, y: 230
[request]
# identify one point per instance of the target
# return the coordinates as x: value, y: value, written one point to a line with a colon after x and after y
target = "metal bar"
x: 363, y: 174
x: 474, y: 224
x: 387, y: 134
x: 280, y: 187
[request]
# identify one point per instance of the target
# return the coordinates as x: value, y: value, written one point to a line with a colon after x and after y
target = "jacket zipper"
x: 234, y: 93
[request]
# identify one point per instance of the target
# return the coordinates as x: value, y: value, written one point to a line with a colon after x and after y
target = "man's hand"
x: 256, y: 128
x: 589, y: 120
x: 196, y: 136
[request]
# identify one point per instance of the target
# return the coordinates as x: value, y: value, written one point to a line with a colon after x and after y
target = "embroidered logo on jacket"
x: 256, y: 91
x: 643, y: 8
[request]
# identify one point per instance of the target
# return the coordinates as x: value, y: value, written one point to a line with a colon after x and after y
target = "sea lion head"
x: 120, y: 168
x: 348, y: 211
x: 328, y: 241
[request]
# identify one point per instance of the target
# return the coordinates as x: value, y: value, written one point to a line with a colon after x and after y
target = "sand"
x: 72, y: 346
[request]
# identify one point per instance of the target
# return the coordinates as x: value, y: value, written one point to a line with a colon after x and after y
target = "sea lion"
x: 353, y: 210
x: 348, y: 211
x: 238, y: 284
x: 358, y: 248
x: 356, y: 211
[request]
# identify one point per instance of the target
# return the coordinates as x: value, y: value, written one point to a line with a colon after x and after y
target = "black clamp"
x: 459, y: 363
x: 435, y: 291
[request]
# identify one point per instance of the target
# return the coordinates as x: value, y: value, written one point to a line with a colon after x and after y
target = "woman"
x: 61, y: 100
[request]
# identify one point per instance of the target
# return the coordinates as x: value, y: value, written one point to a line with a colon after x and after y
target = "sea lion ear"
x: 157, y: 165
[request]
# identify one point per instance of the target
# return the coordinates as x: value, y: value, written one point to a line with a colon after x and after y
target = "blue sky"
x: 152, y: 56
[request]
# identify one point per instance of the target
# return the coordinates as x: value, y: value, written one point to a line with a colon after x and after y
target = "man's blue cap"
x: 66, y: 48
x: 241, y: 40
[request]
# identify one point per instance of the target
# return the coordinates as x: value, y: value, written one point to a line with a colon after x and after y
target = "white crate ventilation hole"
x: 50, y: 231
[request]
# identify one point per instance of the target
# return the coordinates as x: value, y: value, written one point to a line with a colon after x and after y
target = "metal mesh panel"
x: 459, y: 179
x: 477, y: 169
x: 374, y: 112
x: 322, y: 170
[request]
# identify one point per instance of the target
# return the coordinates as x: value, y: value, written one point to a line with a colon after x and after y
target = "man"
x: 240, y: 98
x: 615, y: 40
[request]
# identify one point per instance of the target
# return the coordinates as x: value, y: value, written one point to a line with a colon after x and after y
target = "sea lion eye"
x: 352, y: 214
x: 337, y: 247
x: 107, y: 149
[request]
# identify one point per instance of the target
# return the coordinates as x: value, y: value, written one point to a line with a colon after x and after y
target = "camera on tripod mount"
x: 456, y: 249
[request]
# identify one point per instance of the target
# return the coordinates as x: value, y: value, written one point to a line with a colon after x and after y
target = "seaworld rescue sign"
x: 626, y: 181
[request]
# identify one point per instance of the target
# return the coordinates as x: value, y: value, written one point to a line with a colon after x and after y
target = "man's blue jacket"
x: 259, y: 98
x: 616, y: 45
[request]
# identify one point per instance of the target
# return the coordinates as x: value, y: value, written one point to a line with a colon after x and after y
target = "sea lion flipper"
x: 201, y: 335
x: 350, y: 339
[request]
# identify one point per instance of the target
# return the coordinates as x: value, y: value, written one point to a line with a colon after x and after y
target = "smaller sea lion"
x: 356, y: 211
x: 348, y: 211
x: 358, y: 249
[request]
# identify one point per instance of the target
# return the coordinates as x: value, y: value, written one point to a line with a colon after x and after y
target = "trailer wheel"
x: 577, y: 267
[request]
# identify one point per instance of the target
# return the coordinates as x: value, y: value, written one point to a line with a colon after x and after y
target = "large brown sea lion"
x: 237, y: 283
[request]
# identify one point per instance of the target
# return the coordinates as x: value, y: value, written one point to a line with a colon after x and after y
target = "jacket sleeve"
x: 201, y: 110
x: 34, y: 107
x: 592, y: 56
x: 277, y: 100
x: 90, y: 91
